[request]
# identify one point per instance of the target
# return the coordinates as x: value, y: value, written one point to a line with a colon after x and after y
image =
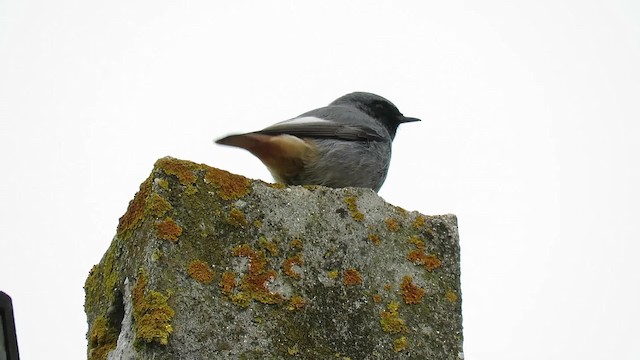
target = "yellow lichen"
x: 333, y: 274
x: 419, y: 222
x: 293, y: 350
x: 451, y: 296
x: 276, y: 185
x: 352, y: 205
x: 288, y: 264
x: 392, y: 224
x: 296, y: 303
x: 229, y: 186
x: 200, y: 271
x: 402, y: 212
x: 295, y: 244
x: 157, y: 205
x: 257, y: 224
x: 168, y: 229
x: 390, y: 320
x: 411, y: 293
x: 102, y: 339
x: 351, y: 277
x: 237, y: 218
x: 163, y: 183
x: 417, y: 241
x: 400, y: 344
x: 151, y: 313
x: 374, y: 238
x: 270, y: 246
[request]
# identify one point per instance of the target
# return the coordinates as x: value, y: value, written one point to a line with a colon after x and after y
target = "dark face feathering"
x: 378, y: 108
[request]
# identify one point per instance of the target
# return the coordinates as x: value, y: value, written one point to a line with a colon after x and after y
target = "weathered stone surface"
x: 210, y: 265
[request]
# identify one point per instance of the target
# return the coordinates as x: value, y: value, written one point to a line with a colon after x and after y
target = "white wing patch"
x: 303, y: 120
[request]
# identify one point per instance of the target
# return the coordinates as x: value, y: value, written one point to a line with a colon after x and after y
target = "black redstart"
x: 347, y: 143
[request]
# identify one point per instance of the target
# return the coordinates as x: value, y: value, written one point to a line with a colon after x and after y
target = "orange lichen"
x: 135, y: 212
x: 376, y: 298
x: 288, y: 264
x: 352, y: 205
x: 183, y: 170
x: 400, y: 344
x: 254, y: 282
x: 419, y: 257
x: 419, y: 222
x: 411, y: 293
x: 237, y: 218
x: 200, y: 271
x: 388, y: 287
x: 296, y: 303
x: 227, y: 282
x: 374, y: 238
x: 351, y: 277
x: 392, y: 224
x: 451, y: 296
x: 151, y: 313
x: 295, y: 244
x: 390, y: 320
x: 228, y: 185
x: 168, y: 229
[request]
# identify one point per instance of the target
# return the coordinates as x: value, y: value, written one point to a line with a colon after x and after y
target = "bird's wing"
x: 315, y: 127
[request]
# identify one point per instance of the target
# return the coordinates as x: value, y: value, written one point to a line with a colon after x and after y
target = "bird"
x: 344, y: 144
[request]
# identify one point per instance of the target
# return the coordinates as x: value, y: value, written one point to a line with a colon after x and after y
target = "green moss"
x: 151, y: 313
x: 352, y: 206
x: 102, y: 339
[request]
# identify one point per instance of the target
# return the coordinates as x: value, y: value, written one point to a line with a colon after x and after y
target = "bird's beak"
x: 405, y: 119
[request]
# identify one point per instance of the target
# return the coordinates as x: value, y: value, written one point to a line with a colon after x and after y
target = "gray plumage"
x: 347, y: 143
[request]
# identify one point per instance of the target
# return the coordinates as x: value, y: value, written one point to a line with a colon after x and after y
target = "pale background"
x: 530, y: 135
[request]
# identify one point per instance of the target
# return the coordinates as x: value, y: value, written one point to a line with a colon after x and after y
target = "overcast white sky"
x: 530, y: 135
